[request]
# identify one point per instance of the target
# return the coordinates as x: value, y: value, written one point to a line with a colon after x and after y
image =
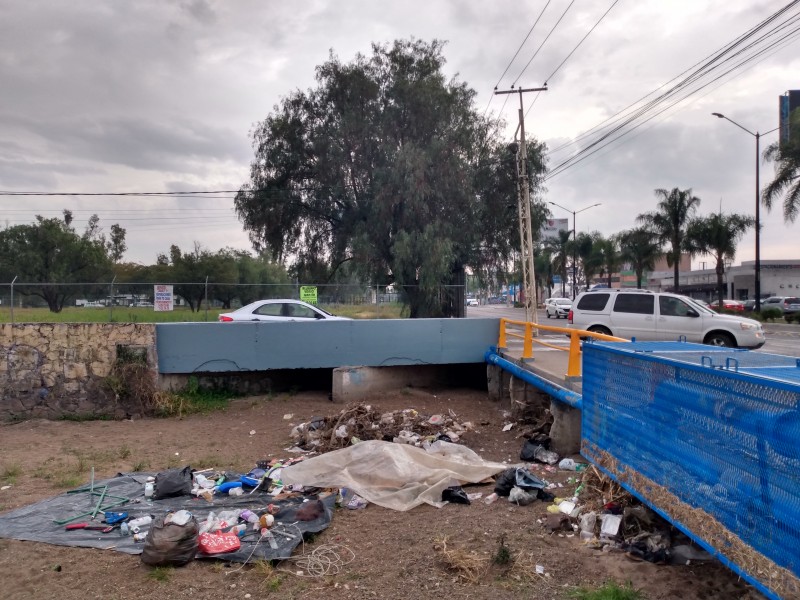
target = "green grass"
x: 608, y: 591
x: 161, y: 574
x: 125, y: 314
x: 10, y: 473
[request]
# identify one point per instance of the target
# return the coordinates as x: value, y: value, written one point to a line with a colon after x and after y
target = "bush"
x: 770, y: 314
x: 792, y: 318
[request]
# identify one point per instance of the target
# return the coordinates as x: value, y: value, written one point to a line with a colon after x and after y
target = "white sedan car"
x: 558, y: 307
x: 279, y: 310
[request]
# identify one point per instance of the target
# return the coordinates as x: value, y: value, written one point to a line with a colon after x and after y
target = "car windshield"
x: 700, y: 308
x: 563, y: 301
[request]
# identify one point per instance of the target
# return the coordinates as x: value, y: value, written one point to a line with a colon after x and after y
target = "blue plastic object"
x: 249, y: 481
x: 228, y: 485
x: 114, y: 517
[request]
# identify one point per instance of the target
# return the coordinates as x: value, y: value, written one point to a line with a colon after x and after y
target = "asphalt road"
x: 781, y: 338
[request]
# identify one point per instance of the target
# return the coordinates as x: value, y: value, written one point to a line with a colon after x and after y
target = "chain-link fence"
x: 205, y: 300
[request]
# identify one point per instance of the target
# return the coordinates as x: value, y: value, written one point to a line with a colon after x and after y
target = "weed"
x: 503, y: 554
x: 65, y: 480
x: 274, y: 583
x: 264, y: 568
x: 608, y: 591
x: 204, y: 462
x: 124, y: 451
x: 10, y: 473
x: 140, y: 466
x: 161, y: 574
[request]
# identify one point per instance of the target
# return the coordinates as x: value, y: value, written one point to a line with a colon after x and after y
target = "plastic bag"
x: 170, y: 544
x: 218, y: 543
x: 536, y: 452
x: 455, y: 494
x: 174, y: 482
x: 516, y: 477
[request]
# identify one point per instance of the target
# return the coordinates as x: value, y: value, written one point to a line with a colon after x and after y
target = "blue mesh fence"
x: 709, y: 436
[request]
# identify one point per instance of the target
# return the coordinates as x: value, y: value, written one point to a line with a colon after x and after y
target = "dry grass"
x: 466, y: 564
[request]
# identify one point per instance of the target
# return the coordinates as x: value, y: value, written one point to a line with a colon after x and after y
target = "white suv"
x: 646, y: 315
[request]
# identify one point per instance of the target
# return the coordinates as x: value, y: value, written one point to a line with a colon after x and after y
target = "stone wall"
x: 52, y: 370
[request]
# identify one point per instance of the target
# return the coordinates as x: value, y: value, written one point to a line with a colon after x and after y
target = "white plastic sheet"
x: 396, y: 476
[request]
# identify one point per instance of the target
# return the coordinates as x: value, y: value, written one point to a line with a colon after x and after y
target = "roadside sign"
x: 163, y: 298
x: 308, y: 293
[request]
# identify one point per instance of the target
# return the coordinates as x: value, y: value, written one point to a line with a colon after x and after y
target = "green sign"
x: 308, y: 293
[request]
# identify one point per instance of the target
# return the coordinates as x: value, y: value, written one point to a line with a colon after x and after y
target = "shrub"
x: 792, y: 318
x: 770, y: 314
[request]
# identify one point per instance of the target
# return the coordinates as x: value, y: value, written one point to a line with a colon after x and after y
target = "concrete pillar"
x: 494, y: 382
x: 565, y: 434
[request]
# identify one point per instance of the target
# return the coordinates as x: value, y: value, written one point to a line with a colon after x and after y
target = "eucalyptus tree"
x: 386, y: 165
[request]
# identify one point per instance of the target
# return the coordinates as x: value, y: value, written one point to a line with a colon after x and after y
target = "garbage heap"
x: 360, y: 422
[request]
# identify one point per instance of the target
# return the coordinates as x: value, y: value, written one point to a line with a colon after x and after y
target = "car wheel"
x: 548, y: 314
x: 599, y: 329
x: 720, y: 338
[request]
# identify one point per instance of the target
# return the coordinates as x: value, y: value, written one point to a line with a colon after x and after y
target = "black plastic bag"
x: 515, y: 476
x: 174, y: 482
x: 170, y: 544
x: 455, y: 494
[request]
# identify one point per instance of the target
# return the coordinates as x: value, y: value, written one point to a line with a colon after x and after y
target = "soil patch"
x: 395, y: 555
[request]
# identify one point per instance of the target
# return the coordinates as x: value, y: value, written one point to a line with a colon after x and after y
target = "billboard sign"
x: 163, y: 298
x: 551, y: 228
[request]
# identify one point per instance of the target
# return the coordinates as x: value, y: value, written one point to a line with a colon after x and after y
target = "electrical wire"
x: 720, y: 51
x: 684, y: 89
x: 543, y: 43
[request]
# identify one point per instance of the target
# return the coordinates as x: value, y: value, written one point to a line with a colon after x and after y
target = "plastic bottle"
x: 124, y: 530
x: 140, y: 522
x: 149, y: 490
x: 250, y: 517
x: 490, y: 498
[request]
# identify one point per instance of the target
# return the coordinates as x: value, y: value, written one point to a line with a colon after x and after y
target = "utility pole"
x: 524, y: 209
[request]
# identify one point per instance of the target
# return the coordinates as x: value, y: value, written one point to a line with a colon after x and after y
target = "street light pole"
x: 757, y: 135
x: 574, y: 242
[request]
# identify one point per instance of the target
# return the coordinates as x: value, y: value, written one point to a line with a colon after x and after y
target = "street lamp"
x: 574, y: 242
x: 756, y: 135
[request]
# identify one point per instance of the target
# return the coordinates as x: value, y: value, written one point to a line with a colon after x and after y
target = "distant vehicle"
x: 144, y: 304
x: 558, y: 307
x: 279, y: 310
x: 472, y: 302
x: 93, y: 304
x: 727, y: 305
x: 648, y: 315
x: 786, y: 304
x: 496, y: 300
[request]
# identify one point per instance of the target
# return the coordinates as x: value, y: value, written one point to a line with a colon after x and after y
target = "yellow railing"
x: 524, y: 330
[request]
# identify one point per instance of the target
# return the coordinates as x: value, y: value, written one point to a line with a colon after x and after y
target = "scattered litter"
x: 539, y: 570
x: 508, y: 427
x: 252, y: 432
x: 455, y: 494
x: 5, y: 487
x: 475, y: 496
x: 287, y: 416
x: 532, y: 451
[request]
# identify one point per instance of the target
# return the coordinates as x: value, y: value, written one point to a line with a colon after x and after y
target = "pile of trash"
x: 607, y: 517
x: 361, y: 422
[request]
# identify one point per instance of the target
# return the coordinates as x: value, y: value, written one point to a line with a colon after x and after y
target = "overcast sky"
x: 112, y: 96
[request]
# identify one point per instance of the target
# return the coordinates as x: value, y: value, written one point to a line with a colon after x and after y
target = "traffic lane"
x: 778, y: 343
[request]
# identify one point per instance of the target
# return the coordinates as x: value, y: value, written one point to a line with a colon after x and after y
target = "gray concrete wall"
x: 232, y: 347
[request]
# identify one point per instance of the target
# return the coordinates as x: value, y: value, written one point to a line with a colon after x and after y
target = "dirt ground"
x: 394, y: 552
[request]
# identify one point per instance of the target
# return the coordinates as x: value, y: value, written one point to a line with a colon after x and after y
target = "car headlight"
x: 749, y: 326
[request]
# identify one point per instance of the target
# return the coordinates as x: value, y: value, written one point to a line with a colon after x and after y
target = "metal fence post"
x: 12, y: 298
x: 111, y: 300
x: 206, y: 297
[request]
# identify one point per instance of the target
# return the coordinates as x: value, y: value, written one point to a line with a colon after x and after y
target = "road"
x: 781, y: 338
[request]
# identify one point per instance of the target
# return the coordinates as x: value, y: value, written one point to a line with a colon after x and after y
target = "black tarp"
x: 36, y: 522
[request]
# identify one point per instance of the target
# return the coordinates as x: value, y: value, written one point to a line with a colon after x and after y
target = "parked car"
x: 472, y: 302
x: 727, y: 305
x: 558, y: 307
x: 786, y: 304
x: 279, y: 310
x: 647, y: 315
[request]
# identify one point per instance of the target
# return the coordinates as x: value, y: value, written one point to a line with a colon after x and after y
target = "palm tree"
x: 674, y: 210
x: 787, y: 172
x: 588, y: 252
x: 718, y: 235
x: 559, y: 250
x: 641, y: 249
x: 610, y: 256
x: 543, y: 265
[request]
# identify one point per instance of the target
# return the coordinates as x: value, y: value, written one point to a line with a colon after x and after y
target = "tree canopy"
x: 786, y: 182
x: 51, y: 254
x: 385, y: 164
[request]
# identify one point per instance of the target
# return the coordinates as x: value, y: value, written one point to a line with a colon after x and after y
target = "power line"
x: 706, y: 60
x: 683, y: 89
x: 543, y: 43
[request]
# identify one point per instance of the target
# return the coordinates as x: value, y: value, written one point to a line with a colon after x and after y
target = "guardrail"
x: 524, y: 330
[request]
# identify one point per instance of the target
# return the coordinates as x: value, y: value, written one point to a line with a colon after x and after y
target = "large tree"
x: 718, y: 235
x: 559, y: 250
x: 674, y: 210
x: 57, y: 261
x: 786, y: 183
x: 609, y: 255
x: 387, y: 165
x: 640, y: 248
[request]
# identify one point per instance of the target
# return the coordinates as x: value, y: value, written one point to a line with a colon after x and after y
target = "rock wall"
x: 56, y: 370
